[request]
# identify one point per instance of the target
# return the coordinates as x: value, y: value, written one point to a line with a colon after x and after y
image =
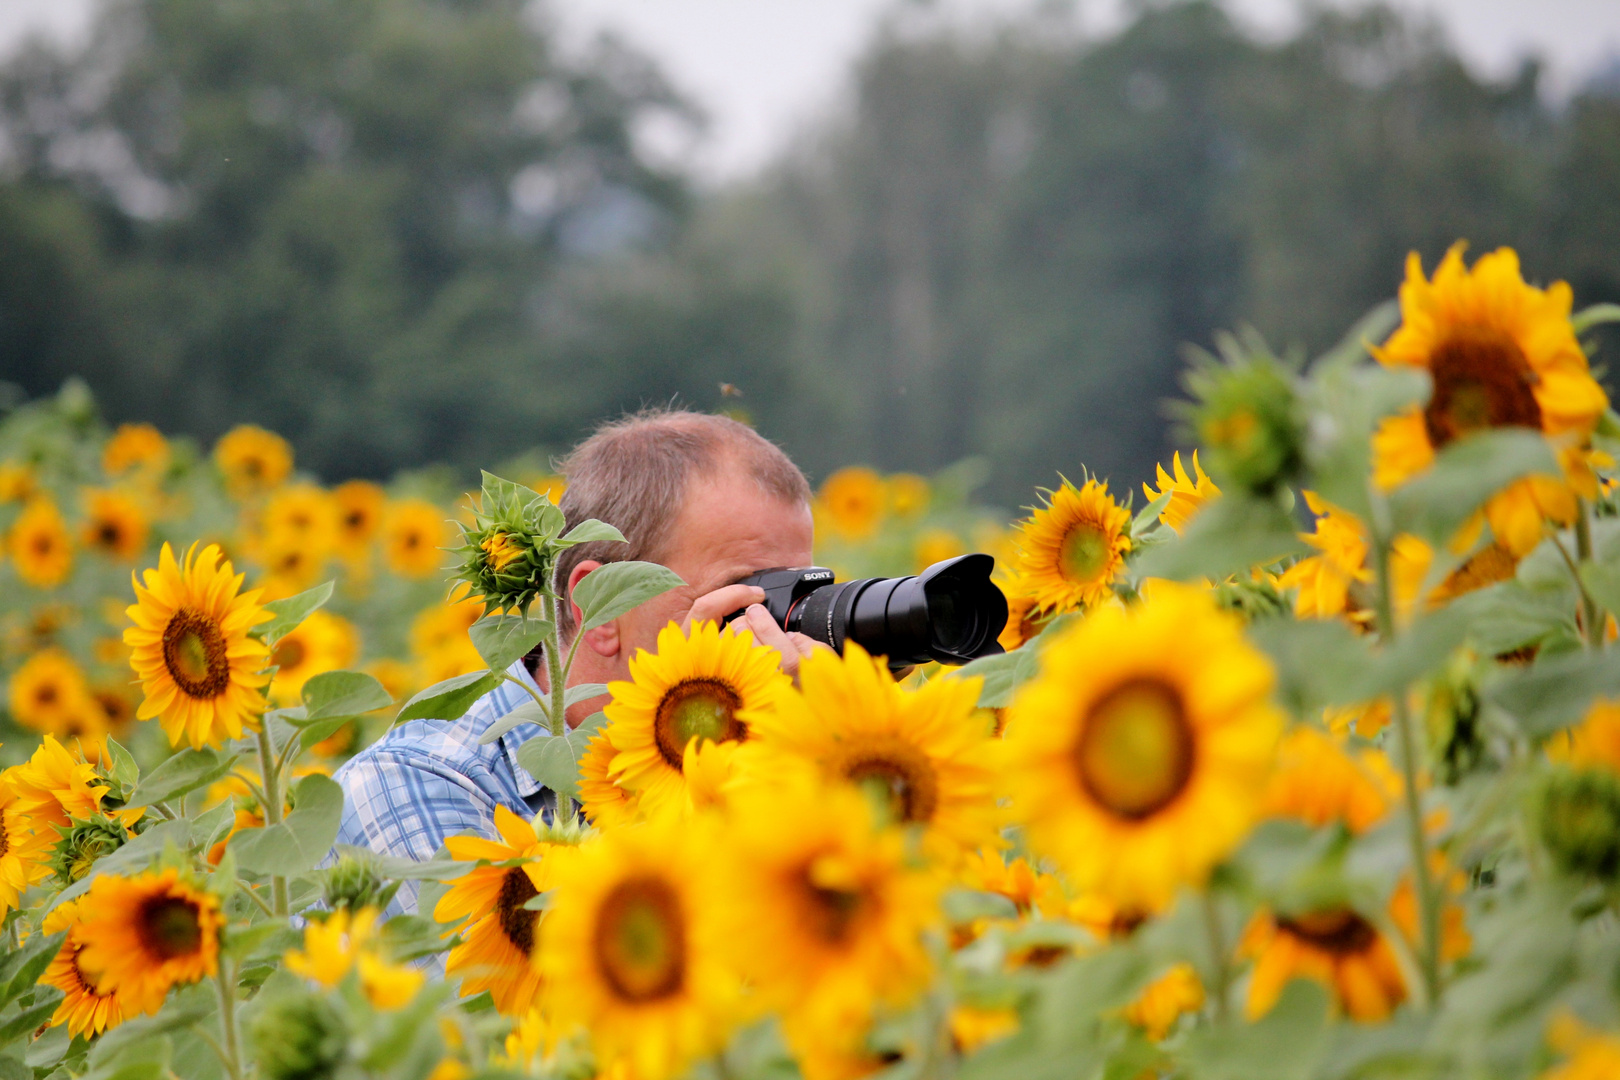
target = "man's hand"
x: 715, y: 606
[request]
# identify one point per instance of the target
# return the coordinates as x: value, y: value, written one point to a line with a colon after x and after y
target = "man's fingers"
x: 712, y: 607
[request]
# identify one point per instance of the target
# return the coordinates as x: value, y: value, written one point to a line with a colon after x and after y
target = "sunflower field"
x: 1308, y: 768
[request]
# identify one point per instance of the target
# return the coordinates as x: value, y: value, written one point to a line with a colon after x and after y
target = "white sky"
x: 762, y: 68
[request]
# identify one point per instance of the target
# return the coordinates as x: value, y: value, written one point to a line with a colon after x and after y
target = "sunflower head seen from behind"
x: 1138, y: 756
x: 1072, y: 550
x: 140, y: 936
x: 200, y: 669
x: 712, y: 684
x: 632, y: 948
x: 919, y: 755
x: 1499, y: 354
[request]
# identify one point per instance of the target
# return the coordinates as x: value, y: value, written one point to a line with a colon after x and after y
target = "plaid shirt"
x: 426, y: 780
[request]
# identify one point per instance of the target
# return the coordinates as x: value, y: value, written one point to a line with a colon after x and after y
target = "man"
x: 703, y: 495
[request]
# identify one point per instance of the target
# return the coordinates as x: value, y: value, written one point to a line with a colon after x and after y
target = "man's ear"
x: 602, y: 640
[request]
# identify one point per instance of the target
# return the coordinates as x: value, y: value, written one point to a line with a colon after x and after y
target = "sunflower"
x: 603, y: 801
x: 200, y: 671
x: 1317, y: 781
x: 24, y: 847
x: 55, y: 786
x: 40, y: 546
x: 413, y: 533
x: 1025, y: 617
x: 1490, y: 564
x: 1324, y: 580
x: 1138, y: 755
x: 49, y: 693
x: 936, y: 545
x: 824, y: 913
x: 1161, y: 1004
x: 114, y: 524
x: 17, y: 481
x: 919, y: 754
x: 252, y: 460
x: 1188, y: 494
x: 1595, y: 741
x: 713, y: 684
x: 85, y: 1009
x: 1073, y: 548
x: 359, y: 506
x: 346, y: 941
x: 632, y: 947
x: 908, y: 495
x: 973, y: 1027
x: 1365, y: 719
x: 1590, y: 1054
x: 1500, y: 354
x: 498, y: 944
x: 139, y: 447
x: 851, y: 501
x: 290, y: 565
x: 439, y: 641
x: 301, y: 515
x: 322, y: 642
x: 1029, y: 889
x: 142, y: 935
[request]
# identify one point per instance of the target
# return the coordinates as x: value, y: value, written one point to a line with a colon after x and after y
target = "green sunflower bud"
x: 1456, y: 742
x: 82, y: 843
x: 1248, y: 417
x: 1250, y: 599
x: 509, y: 553
x: 355, y: 883
x: 299, y: 1037
x: 1577, y: 814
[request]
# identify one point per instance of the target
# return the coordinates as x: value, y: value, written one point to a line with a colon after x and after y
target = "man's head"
x: 704, y: 495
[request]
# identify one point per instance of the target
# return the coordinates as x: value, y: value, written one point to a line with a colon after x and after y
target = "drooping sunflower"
x: 139, y: 447
x: 85, y: 1008
x: 114, y: 524
x: 632, y: 946
x: 140, y: 936
x: 919, y: 754
x: 1188, y: 494
x: 1500, y: 354
x: 499, y: 942
x: 200, y: 670
x: 713, y: 684
x: 1317, y: 781
x: 49, y: 693
x: 359, y: 516
x: 252, y: 460
x: 1072, y: 549
x: 322, y: 642
x: 413, y: 532
x: 851, y: 502
x: 24, y: 847
x: 824, y: 912
x: 1138, y: 755
x: 40, y: 546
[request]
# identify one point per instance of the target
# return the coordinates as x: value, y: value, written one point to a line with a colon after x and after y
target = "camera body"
x: 952, y: 612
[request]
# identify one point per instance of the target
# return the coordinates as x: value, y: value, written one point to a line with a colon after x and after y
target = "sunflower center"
x: 5, y: 833
x: 1481, y: 380
x: 1084, y: 553
x: 1337, y: 931
x: 44, y: 544
x: 109, y: 534
x: 194, y: 653
x: 1135, y: 753
x: 517, y: 921
x: 897, y: 776
x: 640, y: 940
x: 289, y: 653
x: 696, y: 709
x: 169, y: 927
x: 46, y: 696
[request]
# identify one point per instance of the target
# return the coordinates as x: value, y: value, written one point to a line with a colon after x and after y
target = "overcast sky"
x: 763, y: 67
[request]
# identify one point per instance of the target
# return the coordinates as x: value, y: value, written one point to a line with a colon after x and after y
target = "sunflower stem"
x: 555, y: 677
x: 273, y: 801
x: 1428, y: 901
x: 1596, y: 623
x: 232, y: 1055
x: 1590, y: 611
x: 1217, y: 953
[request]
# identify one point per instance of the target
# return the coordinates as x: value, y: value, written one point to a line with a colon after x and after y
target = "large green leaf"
x: 1557, y: 691
x: 292, y: 611
x: 293, y: 846
x: 1320, y: 662
x: 591, y: 531
x: 1228, y: 536
x: 1002, y: 673
x: 1436, y: 503
x: 1285, y: 1044
x: 20, y: 969
x: 450, y: 699
x: 502, y: 639
x: 342, y: 695
x: 611, y: 590
x: 184, y: 772
x: 23, y: 1024
x: 554, y: 760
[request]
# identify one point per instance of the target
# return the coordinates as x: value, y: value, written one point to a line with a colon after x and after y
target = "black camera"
x: 952, y: 612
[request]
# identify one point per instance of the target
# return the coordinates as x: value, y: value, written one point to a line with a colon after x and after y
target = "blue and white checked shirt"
x: 426, y: 780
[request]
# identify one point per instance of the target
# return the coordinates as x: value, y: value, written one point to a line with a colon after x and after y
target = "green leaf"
x: 1320, y: 662
x: 450, y: 699
x: 553, y: 760
x: 1150, y: 514
x: 591, y: 531
x: 1603, y: 583
x: 123, y: 770
x: 143, y: 1037
x: 406, y: 937
x: 1002, y: 673
x: 530, y: 712
x: 1228, y: 536
x: 400, y: 869
x: 611, y: 590
x: 12, y: 1069
x: 1595, y: 315
x: 292, y: 847
x: 1556, y: 692
x: 1285, y: 1044
x: 1348, y: 403
x: 239, y: 943
x: 310, y: 734
x: 1420, y: 649
x: 1436, y: 503
x: 24, y: 1023
x: 1509, y: 616
x: 342, y: 694
x: 184, y: 772
x: 962, y: 906
x: 21, y: 969
x: 292, y: 611
x: 502, y: 639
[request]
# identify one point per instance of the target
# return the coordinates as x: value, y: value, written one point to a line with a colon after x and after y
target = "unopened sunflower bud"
x: 1249, y: 421
x: 1250, y: 599
x: 83, y: 843
x: 509, y: 552
x: 354, y: 883
x: 1578, y: 817
x: 299, y: 1037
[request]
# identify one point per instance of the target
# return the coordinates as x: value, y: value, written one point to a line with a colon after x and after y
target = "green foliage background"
x: 408, y: 231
